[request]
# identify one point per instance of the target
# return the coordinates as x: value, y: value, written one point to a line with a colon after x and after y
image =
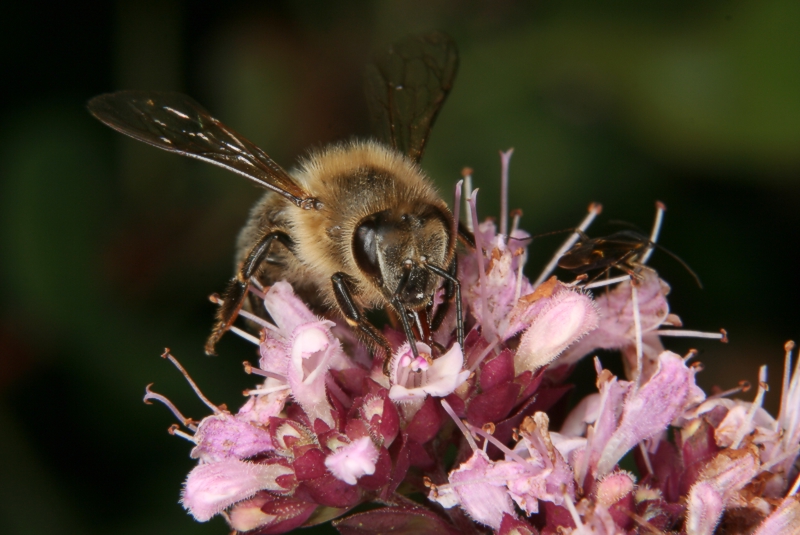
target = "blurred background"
x: 110, y: 248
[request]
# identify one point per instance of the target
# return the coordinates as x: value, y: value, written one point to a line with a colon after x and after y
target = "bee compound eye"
x: 365, y: 248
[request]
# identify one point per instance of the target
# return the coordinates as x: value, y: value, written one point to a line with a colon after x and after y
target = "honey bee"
x: 357, y: 225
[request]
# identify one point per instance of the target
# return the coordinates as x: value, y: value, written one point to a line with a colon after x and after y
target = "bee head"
x: 391, y: 248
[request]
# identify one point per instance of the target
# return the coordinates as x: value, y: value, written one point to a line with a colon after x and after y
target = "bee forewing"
x: 176, y: 123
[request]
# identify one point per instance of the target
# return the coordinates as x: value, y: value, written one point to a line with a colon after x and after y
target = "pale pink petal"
x: 286, y: 309
x: 650, y: 409
x: 311, y: 347
x: 703, y: 509
x: 350, y: 462
x: 484, y: 499
x: 222, y: 436
x: 213, y: 487
x: 569, y: 315
x: 718, y: 483
x: 412, y: 380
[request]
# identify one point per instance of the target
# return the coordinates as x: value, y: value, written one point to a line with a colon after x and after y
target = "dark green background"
x: 109, y: 247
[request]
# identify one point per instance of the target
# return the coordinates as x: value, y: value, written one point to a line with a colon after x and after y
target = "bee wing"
x: 176, y: 123
x: 406, y: 88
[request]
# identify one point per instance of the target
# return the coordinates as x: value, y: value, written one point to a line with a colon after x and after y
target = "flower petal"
x: 213, y: 487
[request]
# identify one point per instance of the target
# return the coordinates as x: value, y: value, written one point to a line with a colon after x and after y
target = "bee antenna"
x: 571, y: 229
x: 621, y: 223
x: 680, y: 261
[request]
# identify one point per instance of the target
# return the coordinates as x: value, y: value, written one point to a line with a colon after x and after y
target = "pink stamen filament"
x: 516, y: 216
x: 247, y: 336
x: 745, y: 427
x: 194, y: 386
x: 150, y: 395
x: 594, y: 211
x: 646, y: 457
x: 572, y: 511
x: 660, y: 208
x: 606, y: 282
x: 788, y: 414
x: 744, y: 387
x: 518, y: 283
x: 505, y: 160
x: 488, y: 325
x: 502, y: 447
x: 689, y: 334
x: 265, y: 391
x: 256, y: 288
x: 449, y: 410
x: 484, y: 354
x: 789, y: 454
x: 637, y: 326
x: 256, y: 319
x: 250, y: 369
x: 457, y: 207
x: 179, y: 433
x: 467, y: 174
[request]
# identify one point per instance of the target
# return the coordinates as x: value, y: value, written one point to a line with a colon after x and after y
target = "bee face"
x: 392, y: 248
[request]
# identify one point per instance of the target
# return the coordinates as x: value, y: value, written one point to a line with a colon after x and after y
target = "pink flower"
x: 616, y: 329
x: 717, y: 487
x: 479, y: 489
x: 413, y: 378
x: 327, y: 431
x: 353, y: 460
x: 301, y: 351
x: 562, y: 319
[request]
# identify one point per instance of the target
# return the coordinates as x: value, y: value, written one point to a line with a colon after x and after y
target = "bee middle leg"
x: 235, y: 292
x: 355, y: 317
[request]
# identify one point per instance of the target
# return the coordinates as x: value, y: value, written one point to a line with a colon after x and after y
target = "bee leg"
x: 402, y: 313
x: 450, y: 277
x: 466, y: 236
x: 356, y: 319
x: 449, y: 293
x: 235, y: 292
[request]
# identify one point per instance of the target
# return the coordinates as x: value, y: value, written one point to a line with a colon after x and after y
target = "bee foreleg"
x: 451, y: 283
x: 235, y: 292
x: 356, y: 319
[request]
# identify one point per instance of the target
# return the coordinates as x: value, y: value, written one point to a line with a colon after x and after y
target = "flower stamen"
x: 762, y: 389
x: 449, y: 410
x: 167, y: 355
x: 467, y: 174
x: 594, y: 210
x: 175, y: 431
x: 606, y: 282
x: 505, y: 160
x: 683, y: 333
x: 150, y: 395
x: 660, y: 209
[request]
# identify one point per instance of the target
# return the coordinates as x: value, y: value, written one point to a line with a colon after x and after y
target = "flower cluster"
x: 465, y: 439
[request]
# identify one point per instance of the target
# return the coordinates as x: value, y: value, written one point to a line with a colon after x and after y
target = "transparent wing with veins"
x: 406, y: 88
x: 176, y: 123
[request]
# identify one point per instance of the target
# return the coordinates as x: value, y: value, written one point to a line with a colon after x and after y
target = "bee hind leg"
x: 235, y: 292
